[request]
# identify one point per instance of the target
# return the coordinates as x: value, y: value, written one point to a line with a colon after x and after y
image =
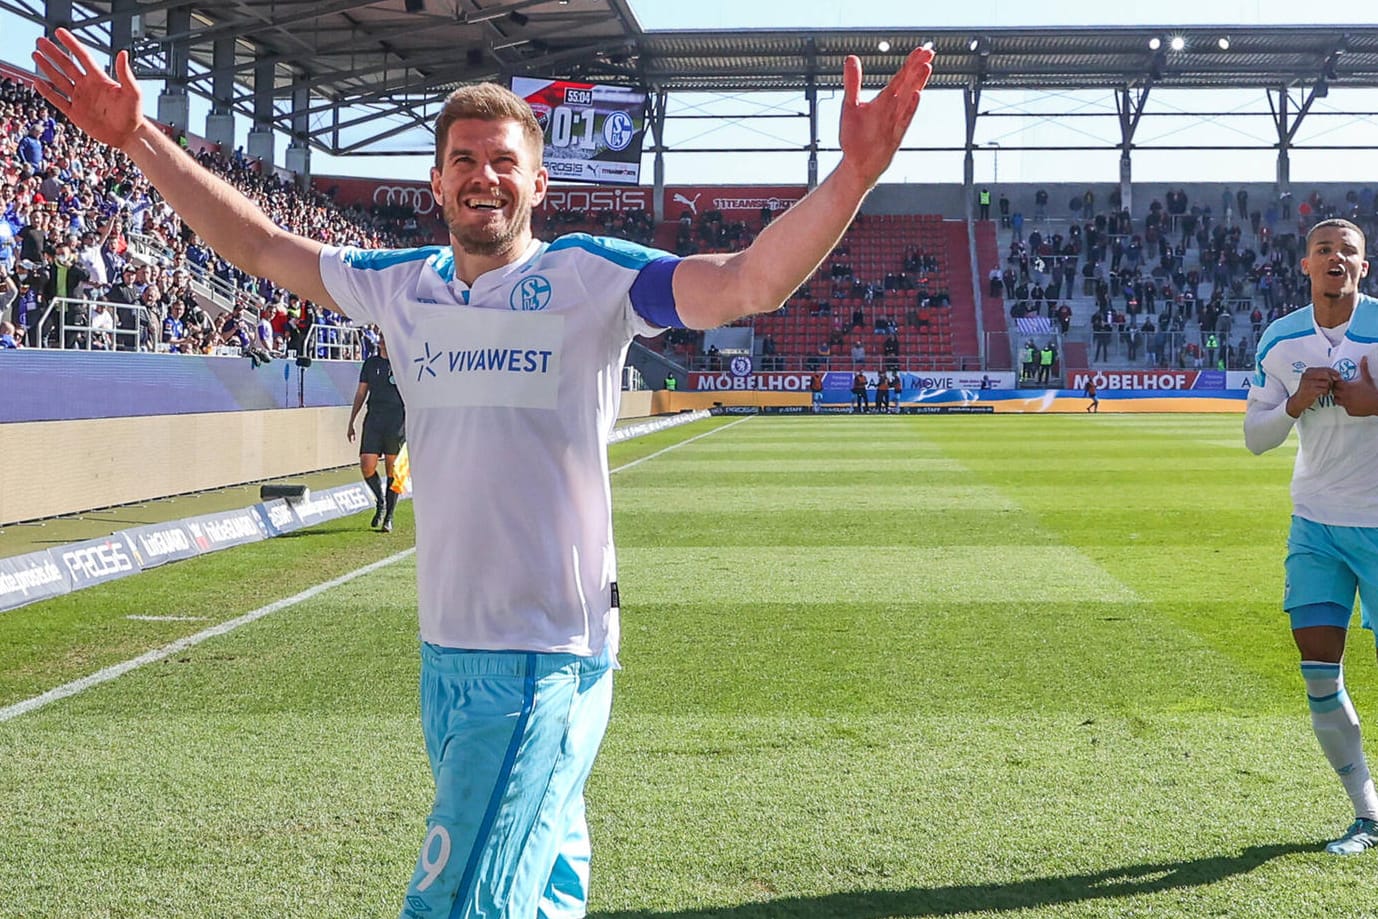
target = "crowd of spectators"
x: 1184, y: 286
x: 71, y: 211
x: 633, y: 224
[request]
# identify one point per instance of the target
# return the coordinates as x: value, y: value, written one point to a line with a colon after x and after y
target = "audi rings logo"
x: 416, y: 197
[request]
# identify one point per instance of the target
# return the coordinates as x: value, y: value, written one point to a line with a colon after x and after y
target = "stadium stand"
x: 1179, y: 285
x: 888, y: 285
x: 81, y: 227
x: 1188, y: 282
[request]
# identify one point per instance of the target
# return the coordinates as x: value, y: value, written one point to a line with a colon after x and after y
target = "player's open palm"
x: 871, y: 132
x: 79, y: 88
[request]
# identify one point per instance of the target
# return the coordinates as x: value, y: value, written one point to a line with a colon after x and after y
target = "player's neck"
x: 1333, y: 312
x: 469, y: 265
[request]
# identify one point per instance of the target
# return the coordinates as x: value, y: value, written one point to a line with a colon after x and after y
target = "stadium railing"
x: 211, y: 290
x: 60, y: 324
x: 333, y: 343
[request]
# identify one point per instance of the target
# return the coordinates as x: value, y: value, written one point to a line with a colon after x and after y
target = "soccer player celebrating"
x: 1315, y: 372
x: 508, y: 352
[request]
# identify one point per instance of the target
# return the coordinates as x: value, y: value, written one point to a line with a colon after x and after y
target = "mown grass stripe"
x: 117, y: 670
x: 114, y: 671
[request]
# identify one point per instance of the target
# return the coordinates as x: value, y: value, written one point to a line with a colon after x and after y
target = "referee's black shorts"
x: 384, y: 433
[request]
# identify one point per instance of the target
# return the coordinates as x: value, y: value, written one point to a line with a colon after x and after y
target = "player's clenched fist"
x: 1315, y: 382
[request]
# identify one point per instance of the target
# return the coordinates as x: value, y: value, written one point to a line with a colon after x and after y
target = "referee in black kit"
x: 385, y: 430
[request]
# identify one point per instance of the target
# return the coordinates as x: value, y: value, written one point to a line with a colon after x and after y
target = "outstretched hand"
x: 871, y: 132
x: 78, y: 87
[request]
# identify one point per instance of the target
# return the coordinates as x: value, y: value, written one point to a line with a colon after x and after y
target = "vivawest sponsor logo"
x: 434, y: 361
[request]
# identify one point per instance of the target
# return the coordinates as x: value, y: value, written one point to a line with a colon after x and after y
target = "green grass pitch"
x: 874, y: 667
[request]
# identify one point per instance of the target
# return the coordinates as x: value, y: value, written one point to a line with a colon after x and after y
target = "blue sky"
x: 940, y: 117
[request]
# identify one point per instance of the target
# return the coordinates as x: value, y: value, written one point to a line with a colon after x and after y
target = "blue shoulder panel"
x: 1363, y: 325
x: 618, y: 251
x: 1297, y: 324
x: 378, y: 259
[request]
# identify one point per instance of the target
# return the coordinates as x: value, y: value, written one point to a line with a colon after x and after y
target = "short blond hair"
x: 486, y: 102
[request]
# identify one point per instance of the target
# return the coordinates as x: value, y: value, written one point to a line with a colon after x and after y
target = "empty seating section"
x: 824, y: 308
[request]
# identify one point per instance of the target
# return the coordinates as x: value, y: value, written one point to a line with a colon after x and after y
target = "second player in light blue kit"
x: 1315, y: 373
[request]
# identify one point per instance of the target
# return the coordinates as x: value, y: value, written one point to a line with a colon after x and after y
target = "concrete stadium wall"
x: 635, y: 404
x: 64, y: 467
x: 666, y: 402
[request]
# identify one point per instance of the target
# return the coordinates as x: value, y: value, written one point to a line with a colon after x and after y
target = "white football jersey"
x: 512, y: 388
x: 1335, y: 480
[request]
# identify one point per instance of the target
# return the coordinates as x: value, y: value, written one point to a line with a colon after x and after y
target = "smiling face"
x: 488, y: 181
x: 1334, y: 262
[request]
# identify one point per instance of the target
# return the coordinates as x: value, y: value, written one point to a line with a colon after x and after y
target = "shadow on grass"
x: 1031, y: 894
x: 317, y: 530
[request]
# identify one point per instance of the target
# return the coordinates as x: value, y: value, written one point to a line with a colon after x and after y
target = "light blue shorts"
x: 1327, y: 565
x: 511, y: 738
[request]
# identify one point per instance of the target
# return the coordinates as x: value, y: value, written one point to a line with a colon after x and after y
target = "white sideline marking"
x: 168, y: 618
x: 682, y: 443
x: 109, y: 673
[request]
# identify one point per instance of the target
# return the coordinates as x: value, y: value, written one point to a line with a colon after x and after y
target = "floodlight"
x: 1155, y: 43
x: 1223, y: 43
x: 1177, y: 43
x: 883, y: 47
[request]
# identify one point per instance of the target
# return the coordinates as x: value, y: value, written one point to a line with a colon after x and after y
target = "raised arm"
x: 111, y: 111
x: 711, y: 290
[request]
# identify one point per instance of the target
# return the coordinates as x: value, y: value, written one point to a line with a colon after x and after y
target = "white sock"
x: 1337, y: 728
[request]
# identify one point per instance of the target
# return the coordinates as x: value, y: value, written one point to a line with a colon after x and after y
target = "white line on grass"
x: 109, y: 673
x: 169, y: 618
x: 681, y: 444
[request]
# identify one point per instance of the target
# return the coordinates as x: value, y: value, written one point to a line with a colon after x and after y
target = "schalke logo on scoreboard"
x: 618, y: 130
x: 740, y: 366
x: 532, y: 293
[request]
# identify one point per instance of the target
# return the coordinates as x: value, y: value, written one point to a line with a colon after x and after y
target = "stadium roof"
x: 391, y: 59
